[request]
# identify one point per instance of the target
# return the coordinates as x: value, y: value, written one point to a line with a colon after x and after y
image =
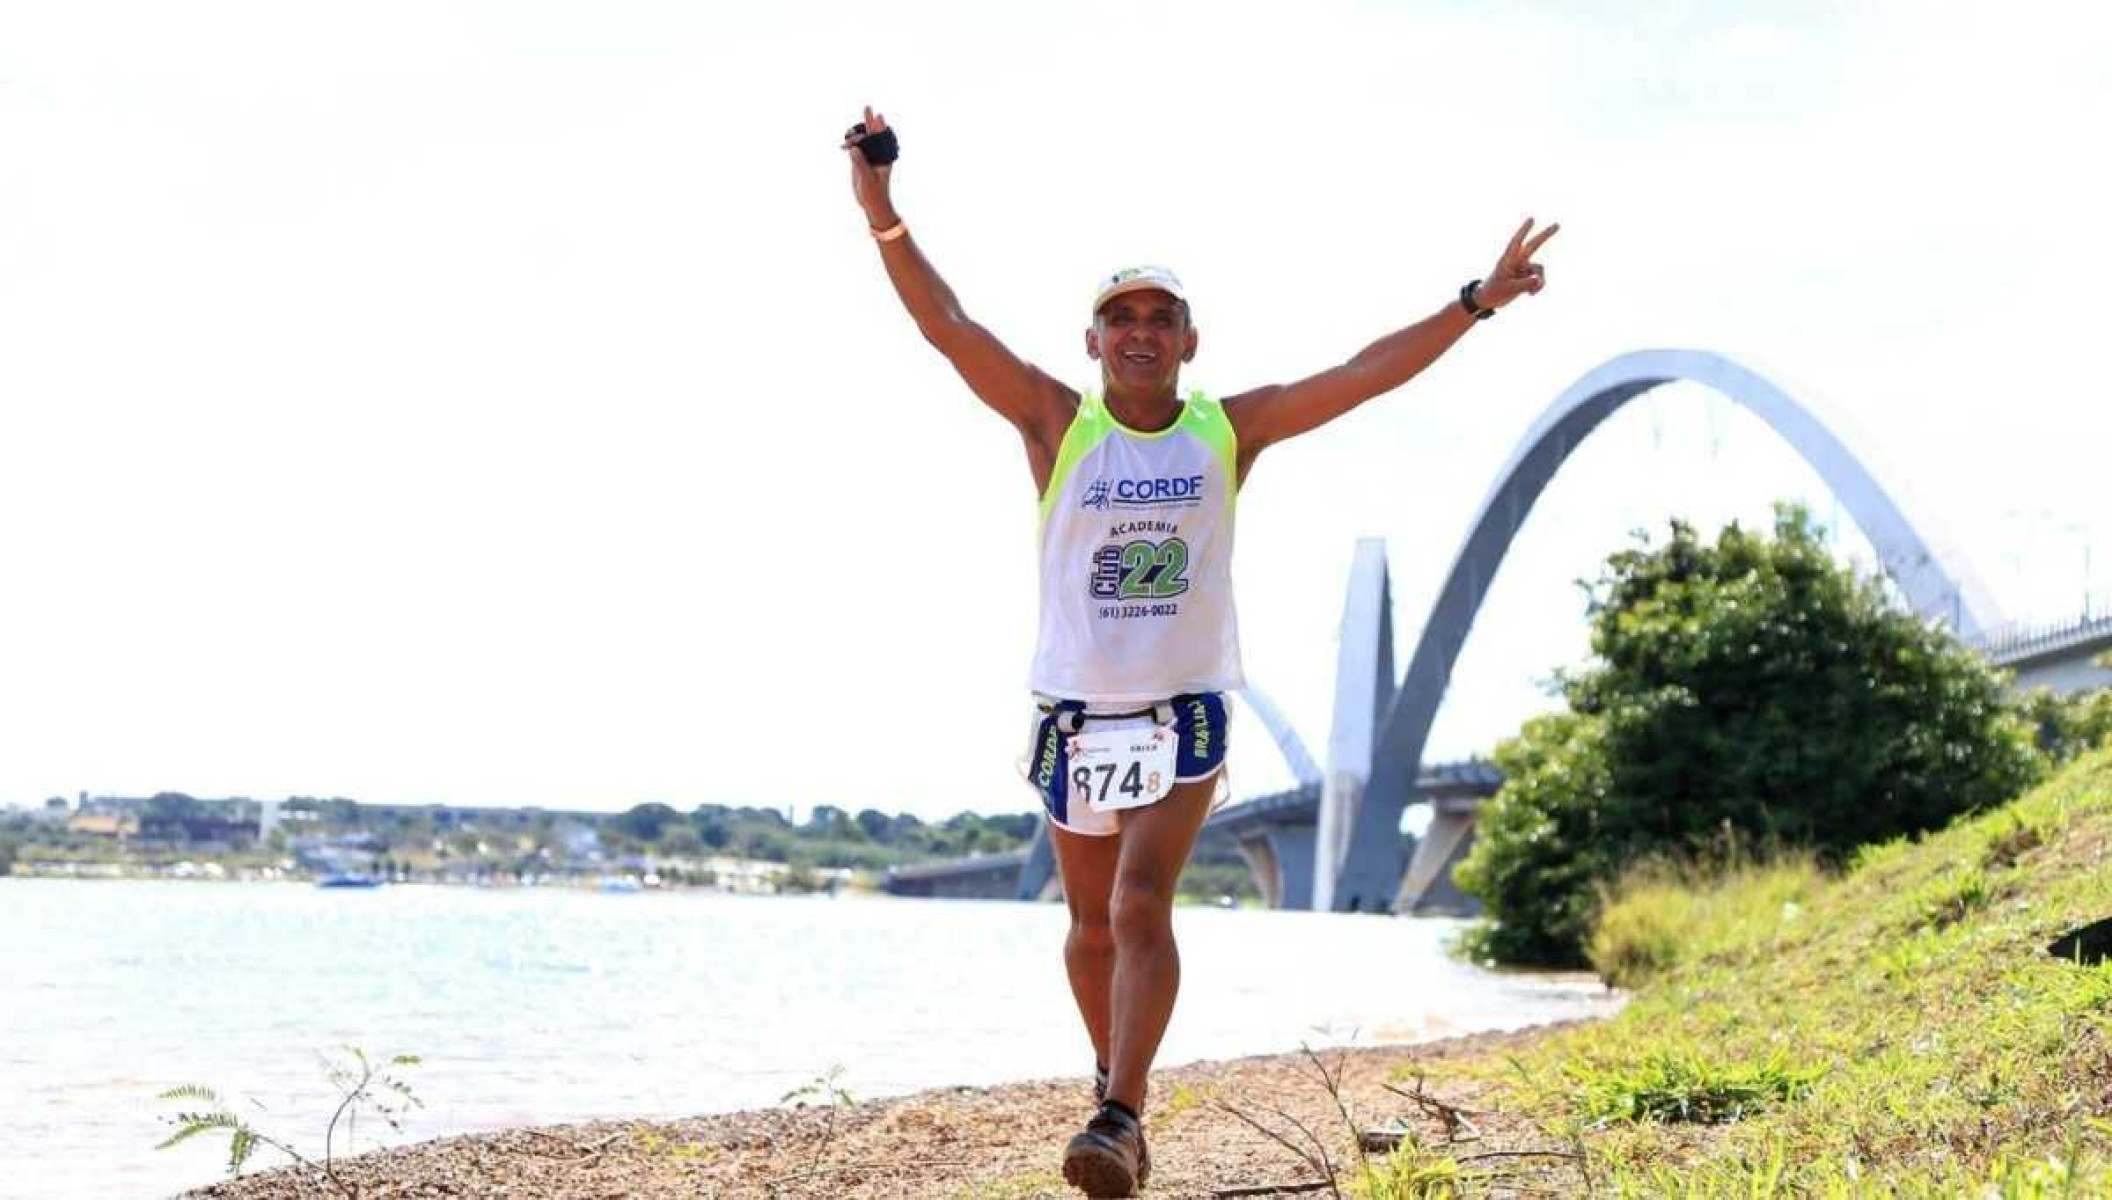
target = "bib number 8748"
x: 1133, y: 787
x: 1122, y: 768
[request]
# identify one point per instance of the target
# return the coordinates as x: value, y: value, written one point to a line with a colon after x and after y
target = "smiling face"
x: 1141, y: 338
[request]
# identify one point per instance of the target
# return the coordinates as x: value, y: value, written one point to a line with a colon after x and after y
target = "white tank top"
x: 1136, y: 559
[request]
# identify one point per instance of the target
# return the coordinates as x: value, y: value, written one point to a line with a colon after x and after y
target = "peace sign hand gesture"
x: 1515, y: 273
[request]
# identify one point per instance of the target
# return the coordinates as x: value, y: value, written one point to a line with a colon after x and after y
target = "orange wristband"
x: 897, y: 230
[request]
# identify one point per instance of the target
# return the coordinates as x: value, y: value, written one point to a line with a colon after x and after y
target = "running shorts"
x: 1198, y: 721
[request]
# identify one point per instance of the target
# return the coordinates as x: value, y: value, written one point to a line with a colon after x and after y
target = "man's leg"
x: 1087, y: 865
x: 1155, y: 844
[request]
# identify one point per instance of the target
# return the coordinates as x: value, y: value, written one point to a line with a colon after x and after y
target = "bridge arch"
x: 1935, y: 582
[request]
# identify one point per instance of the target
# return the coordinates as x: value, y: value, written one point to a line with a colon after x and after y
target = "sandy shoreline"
x: 1001, y: 1142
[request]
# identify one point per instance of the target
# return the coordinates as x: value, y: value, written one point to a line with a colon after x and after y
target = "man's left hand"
x: 1515, y: 273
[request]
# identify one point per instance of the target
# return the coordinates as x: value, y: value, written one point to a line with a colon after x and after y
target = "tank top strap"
x: 1205, y: 417
x: 1089, y: 426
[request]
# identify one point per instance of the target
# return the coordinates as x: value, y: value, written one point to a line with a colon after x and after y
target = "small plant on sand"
x: 1392, y: 1161
x: 1183, y: 1100
x: 1410, y: 1173
x: 362, y: 1085
x: 823, y: 1091
x: 826, y: 1092
x: 1016, y: 1187
x: 1308, y: 1146
x: 659, y: 1145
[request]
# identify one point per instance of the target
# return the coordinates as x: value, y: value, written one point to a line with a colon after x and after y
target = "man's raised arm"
x: 1268, y: 415
x: 1024, y: 394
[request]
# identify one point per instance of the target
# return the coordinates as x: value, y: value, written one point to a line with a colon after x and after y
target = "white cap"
x: 1137, y: 279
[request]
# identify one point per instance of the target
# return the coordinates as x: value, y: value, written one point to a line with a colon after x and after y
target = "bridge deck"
x: 1450, y: 786
x: 1009, y: 860
x: 2014, y: 645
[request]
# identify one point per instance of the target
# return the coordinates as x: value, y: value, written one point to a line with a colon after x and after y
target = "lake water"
x: 535, y: 1006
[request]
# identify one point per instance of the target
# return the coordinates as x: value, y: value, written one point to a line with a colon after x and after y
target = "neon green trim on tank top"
x: 1088, y: 428
x: 1201, y: 416
x: 1206, y: 419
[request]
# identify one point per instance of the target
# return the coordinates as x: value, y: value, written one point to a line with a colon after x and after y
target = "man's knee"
x: 1092, y: 931
x: 1142, y: 911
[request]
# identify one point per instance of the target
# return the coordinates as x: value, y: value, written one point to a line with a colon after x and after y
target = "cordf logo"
x: 1154, y: 493
x: 1177, y: 491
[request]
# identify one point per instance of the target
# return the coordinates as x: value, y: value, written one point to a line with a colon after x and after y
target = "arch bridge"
x: 1345, y: 818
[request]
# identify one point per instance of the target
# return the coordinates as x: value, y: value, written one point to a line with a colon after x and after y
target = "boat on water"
x: 347, y: 879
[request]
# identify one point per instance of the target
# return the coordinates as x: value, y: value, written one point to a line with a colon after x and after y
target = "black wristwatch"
x: 1466, y: 301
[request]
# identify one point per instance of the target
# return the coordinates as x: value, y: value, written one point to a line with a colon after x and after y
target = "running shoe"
x: 1109, y: 1157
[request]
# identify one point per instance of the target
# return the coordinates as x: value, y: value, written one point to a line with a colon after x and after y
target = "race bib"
x: 1122, y: 768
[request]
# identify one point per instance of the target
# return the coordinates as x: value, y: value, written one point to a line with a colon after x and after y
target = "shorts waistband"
x: 1048, y: 703
x: 1071, y: 715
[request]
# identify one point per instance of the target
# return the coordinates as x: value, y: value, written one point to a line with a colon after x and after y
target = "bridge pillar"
x: 1260, y: 854
x: 1427, y: 889
x: 1281, y: 857
x: 1039, y: 870
x: 1370, y: 877
x: 1363, y: 691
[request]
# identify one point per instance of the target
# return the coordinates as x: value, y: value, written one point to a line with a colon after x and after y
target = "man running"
x: 1137, y: 638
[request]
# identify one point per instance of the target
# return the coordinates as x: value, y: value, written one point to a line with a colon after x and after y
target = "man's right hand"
x: 869, y: 181
x: 1036, y: 404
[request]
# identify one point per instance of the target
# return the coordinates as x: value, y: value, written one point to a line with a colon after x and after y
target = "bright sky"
x: 504, y: 404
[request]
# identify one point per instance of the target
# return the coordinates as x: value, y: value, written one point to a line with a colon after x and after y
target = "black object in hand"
x: 880, y: 148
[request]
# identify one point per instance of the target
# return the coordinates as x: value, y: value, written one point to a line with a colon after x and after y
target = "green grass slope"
x: 1899, y: 1029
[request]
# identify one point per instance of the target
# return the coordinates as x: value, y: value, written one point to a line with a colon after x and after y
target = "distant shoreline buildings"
x: 745, y: 849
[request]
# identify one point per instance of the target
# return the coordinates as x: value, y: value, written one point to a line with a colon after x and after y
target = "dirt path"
x: 1003, y: 1143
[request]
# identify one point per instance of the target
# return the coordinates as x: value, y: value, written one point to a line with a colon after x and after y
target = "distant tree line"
x: 828, y: 837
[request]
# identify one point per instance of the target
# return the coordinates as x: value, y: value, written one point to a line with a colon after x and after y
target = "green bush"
x: 1536, y: 852
x: 2066, y: 726
x: 1753, y: 688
